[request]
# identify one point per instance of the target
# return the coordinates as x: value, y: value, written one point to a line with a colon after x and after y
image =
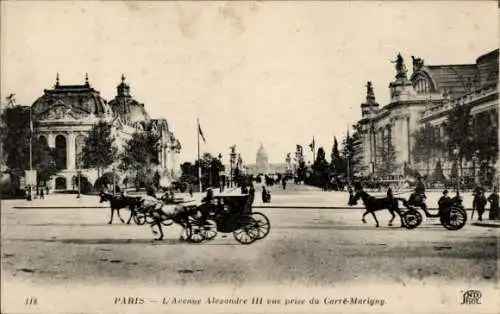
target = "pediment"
x: 61, y: 112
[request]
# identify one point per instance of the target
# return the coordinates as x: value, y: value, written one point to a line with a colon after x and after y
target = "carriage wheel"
x: 412, y: 219
x: 247, y: 233
x: 195, y: 233
x: 209, y: 230
x: 453, y: 218
x: 139, y: 219
x: 167, y: 222
x: 262, y: 226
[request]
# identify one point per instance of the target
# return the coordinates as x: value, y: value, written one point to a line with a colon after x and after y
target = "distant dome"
x: 78, y: 100
x: 261, y: 151
x: 129, y: 109
x: 262, y: 163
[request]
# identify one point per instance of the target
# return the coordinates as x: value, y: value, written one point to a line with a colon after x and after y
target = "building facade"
x: 426, y: 97
x: 64, y: 115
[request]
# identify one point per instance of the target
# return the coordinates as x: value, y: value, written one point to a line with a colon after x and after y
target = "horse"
x: 373, y: 204
x: 178, y: 214
x: 119, y: 202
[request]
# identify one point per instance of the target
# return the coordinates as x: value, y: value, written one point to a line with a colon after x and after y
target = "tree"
x: 438, y: 175
x: 336, y: 160
x: 387, y: 158
x: 427, y: 145
x: 99, y: 150
x: 44, y: 161
x: 352, y: 153
x: 459, y: 133
x: 320, y: 169
x: 141, y: 154
x: 486, y: 136
x: 15, y: 134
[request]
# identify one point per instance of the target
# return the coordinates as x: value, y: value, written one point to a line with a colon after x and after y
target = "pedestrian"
x: 493, y: 199
x: 479, y: 202
x: 284, y: 183
x: 251, y: 192
x: 47, y: 189
x: 41, y: 194
x: 190, y: 190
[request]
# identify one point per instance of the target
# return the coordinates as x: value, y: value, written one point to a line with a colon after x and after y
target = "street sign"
x: 30, y: 176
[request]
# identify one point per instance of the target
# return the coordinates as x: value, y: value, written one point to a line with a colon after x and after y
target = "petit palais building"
x: 65, y: 114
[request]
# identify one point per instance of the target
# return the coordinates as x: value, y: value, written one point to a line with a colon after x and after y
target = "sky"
x: 277, y: 73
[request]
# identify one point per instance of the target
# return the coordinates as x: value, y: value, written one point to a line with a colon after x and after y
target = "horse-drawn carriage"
x: 222, y: 214
x: 452, y: 214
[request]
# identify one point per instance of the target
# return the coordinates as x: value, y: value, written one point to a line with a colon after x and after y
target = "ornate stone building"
x: 426, y: 97
x: 65, y: 114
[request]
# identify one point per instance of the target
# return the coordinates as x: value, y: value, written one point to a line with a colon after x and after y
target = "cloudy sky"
x: 276, y: 73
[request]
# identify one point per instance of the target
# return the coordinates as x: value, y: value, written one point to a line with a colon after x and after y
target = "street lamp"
x: 456, y: 153
x: 221, y: 173
x: 348, y: 155
x: 474, y: 160
x: 79, y: 173
x: 114, y: 183
x: 232, y: 162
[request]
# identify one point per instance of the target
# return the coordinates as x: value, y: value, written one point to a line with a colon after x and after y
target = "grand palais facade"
x: 426, y: 97
x: 64, y: 115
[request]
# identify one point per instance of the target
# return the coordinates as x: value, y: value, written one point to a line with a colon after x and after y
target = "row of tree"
x: 466, y: 138
x: 345, y: 163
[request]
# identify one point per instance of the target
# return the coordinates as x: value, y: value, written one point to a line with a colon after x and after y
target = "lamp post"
x: 456, y: 153
x: 114, y: 183
x: 79, y: 173
x: 474, y: 160
x: 348, y: 155
x: 232, y: 162
x: 221, y: 173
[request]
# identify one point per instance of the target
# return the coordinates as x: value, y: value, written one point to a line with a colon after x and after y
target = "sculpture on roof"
x: 400, y: 66
x: 418, y: 63
x: 369, y: 90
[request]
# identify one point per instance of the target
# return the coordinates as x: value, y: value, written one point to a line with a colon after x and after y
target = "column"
x: 71, y: 151
x: 51, y: 139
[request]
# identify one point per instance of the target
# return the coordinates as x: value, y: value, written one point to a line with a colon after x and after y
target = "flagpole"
x: 314, y: 150
x: 199, y: 160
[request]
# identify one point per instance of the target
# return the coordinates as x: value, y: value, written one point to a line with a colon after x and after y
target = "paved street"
x: 305, y: 246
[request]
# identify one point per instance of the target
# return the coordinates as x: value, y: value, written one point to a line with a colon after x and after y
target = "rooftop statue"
x: 400, y: 67
x: 418, y: 63
x: 369, y: 89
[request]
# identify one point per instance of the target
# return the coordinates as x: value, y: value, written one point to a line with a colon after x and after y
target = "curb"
x: 57, y: 207
x: 485, y: 224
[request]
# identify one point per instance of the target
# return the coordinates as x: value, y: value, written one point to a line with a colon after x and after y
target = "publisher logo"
x: 471, y: 297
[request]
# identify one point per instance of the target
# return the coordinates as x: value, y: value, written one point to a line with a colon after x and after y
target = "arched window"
x: 61, y: 150
x: 42, y: 140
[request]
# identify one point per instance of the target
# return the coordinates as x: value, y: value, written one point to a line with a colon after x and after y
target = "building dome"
x: 77, y: 101
x: 262, y: 162
x: 129, y: 109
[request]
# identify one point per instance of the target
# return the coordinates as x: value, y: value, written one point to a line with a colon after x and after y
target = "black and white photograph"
x: 249, y: 157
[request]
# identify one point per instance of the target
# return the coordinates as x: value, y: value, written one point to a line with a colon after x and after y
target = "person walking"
x: 493, y: 199
x: 479, y: 202
x: 42, y: 194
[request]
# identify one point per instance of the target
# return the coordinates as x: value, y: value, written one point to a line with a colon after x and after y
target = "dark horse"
x: 373, y: 204
x: 119, y: 202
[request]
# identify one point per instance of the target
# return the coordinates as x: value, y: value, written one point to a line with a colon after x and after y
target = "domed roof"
x: 129, y: 109
x: 261, y: 151
x: 77, y: 101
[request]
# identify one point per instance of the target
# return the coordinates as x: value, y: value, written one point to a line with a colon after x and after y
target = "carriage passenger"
x: 207, y: 206
x: 444, y: 201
